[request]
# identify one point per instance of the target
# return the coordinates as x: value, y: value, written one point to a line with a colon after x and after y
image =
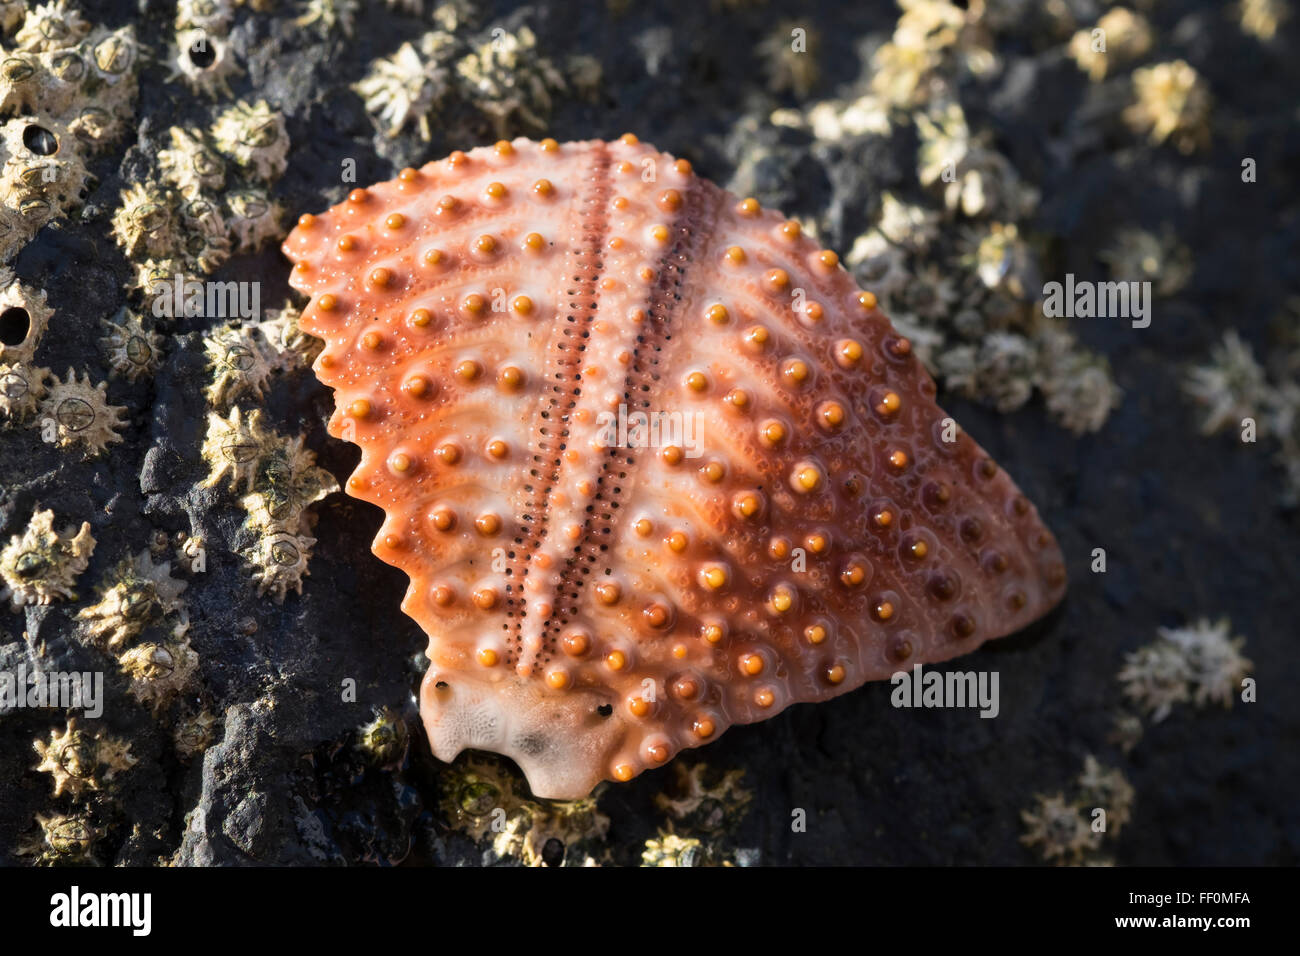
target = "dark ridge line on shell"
x: 582, y: 260
x: 694, y: 230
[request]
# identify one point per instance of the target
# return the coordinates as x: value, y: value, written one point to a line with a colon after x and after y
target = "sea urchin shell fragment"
x: 652, y: 462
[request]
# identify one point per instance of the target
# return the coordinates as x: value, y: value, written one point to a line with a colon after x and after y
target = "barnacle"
x: 481, y: 797
x: 22, y: 387
x: 132, y: 350
x: 1215, y: 665
x: 999, y: 257
x: 905, y: 224
x: 404, y: 88
x: 157, y: 278
x: 141, y: 592
x: 790, y: 55
x: 1155, y: 677
x: 931, y: 37
x: 51, y: 26
x: 146, y: 222
x: 1058, y: 829
x: 204, y: 61
x: 1107, y: 788
x: 280, y: 560
x: 240, y: 362
x: 234, y: 446
x: 1136, y: 254
x: 193, y: 733
x: 192, y: 165
x: 704, y: 800
x: 41, y: 179
x: 81, y: 414
x: 1001, y: 370
x: 879, y: 265
x: 159, y: 670
x: 1231, y: 387
x: 11, y: 14
x: 288, y: 481
x: 214, y: 16
x: 834, y: 120
x: 206, y: 243
x: 1125, y: 37
x: 671, y: 849
x: 1172, y: 104
x: 81, y: 760
x: 108, y: 90
x: 1078, y: 386
x: 1261, y: 18
x: 508, y: 81
x: 1125, y: 731
x: 64, y: 840
x: 24, y: 317
x: 90, y: 88
x: 295, y: 347
x: 930, y: 295
x: 330, y: 14
x: 40, y: 565
x: 252, y: 217
x: 254, y: 136
x: 975, y: 179
x: 384, y: 739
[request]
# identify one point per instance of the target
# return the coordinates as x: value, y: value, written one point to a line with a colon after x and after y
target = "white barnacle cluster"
x: 139, y: 619
x: 402, y: 89
x: 67, y: 90
x: 1071, y: 831
x: 501, y: 75
x: 41, y: 565
x: 69, y: 412
x: 1200, y: 663
x: 84, y: 765
x: 952, y: 261
x: 210, y: 197
x: 278, y: 480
